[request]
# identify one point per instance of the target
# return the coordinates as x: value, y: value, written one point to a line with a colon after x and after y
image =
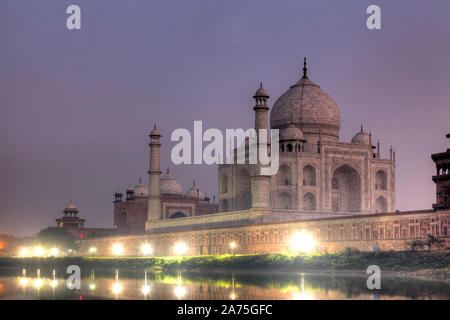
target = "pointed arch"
x: 284, y: 175
x: 224, y: 205
x: 348, y: 195
x: 243, y: 192
x: 177, y: 214
x: 381, y: 180
x: 309, y: 202
x: 224, y: 183
x: 285, y: 200
x: 380, y: 205
x: 309, y: 176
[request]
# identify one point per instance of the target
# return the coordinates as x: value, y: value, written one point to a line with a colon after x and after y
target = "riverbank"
x: 407, y: 261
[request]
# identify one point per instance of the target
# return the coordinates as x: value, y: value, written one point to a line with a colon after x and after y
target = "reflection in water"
x: 179, y: 290
x: 92, y: 282
x: 233, y: 295
x: 145, y: 287
x: 300, y: 293
x: 117, y: 286
x: 145, y: 284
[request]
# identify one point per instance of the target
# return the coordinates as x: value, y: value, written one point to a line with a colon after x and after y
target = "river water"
x: 16, y: 283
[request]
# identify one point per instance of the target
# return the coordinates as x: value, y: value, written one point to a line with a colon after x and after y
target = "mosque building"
x: 130, y: 213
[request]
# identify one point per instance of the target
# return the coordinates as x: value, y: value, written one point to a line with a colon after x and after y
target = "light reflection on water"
x: 144, y: 284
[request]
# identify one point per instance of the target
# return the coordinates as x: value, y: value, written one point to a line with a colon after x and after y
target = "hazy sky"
x: 77, y: 106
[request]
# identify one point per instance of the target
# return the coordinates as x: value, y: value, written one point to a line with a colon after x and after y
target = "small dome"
x: 140, y: 191
x: 291, y: 133
x: 193, y: 192
x: 70, y: 207
x: 261, y: 92
x: 130, y: 189
x: 155, y: 132
x: 361, y: 138
x: 118, y: 192
x: 168, y: 185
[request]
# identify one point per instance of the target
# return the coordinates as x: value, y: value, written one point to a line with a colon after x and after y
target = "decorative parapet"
x: 236, y: 219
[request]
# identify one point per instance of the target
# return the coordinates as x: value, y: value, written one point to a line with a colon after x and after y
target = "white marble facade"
x: 318, y: 172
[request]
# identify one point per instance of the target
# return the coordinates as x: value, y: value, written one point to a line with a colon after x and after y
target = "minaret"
x: 118, y: 196
x: 260, y: 185
x: 154, y: 172
x: 261, y: 109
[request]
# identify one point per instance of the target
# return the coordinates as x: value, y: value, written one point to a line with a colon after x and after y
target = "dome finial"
x: 140, y: 180
x: 305, y: 69
x: 362, y: 128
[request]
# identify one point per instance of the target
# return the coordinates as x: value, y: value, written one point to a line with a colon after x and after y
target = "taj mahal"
x: 318, y: 172
x: 341, y: 192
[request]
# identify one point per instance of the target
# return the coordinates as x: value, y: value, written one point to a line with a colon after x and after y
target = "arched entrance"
x: 346, y: 191
x: 284, y: 175
x: 309, y: 202
x: 224, y: 205
x: 178, y: 214
x: 380, y: 205
x: 285, y: 201
x: 243, y: 192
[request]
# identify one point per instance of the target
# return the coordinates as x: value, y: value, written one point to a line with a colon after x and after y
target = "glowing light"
x: 180, y: 292
x: 38, y: 283
x: 54, y: 252
x: 117, y: 288
x: 38, y: 252
x: 233, y: 245
x: 24, y: 252
x: 146, y: 249
x: 180, y: 248
x: 92, y: 250
x: 233, y: 296
x: 54, y: 283
x: 303, y: 296
x: 23, y: 282
x: 117, y: 249
x: 92, y: 286
x: 145, y: 290
x: 302, y: 242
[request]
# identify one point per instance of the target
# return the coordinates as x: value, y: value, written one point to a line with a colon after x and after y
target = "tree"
x: 56, y: 237
x: 433, y: 241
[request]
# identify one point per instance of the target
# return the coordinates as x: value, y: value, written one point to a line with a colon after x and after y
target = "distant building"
x: 70, y: 218
x: 131, y: 213
x: 74, y: 225
x: 442, y: 179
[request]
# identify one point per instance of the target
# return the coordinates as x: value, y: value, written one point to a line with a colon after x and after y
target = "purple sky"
x: 77, y: 106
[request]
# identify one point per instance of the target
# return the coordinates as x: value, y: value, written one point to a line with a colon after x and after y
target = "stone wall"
x: 390, y: 231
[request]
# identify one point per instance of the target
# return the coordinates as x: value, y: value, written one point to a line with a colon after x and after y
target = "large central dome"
x: 309, y: 108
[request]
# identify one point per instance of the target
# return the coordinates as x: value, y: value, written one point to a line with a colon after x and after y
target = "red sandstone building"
x: 74, y: 225
x: 130, y: 214
x: 442, y: 179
